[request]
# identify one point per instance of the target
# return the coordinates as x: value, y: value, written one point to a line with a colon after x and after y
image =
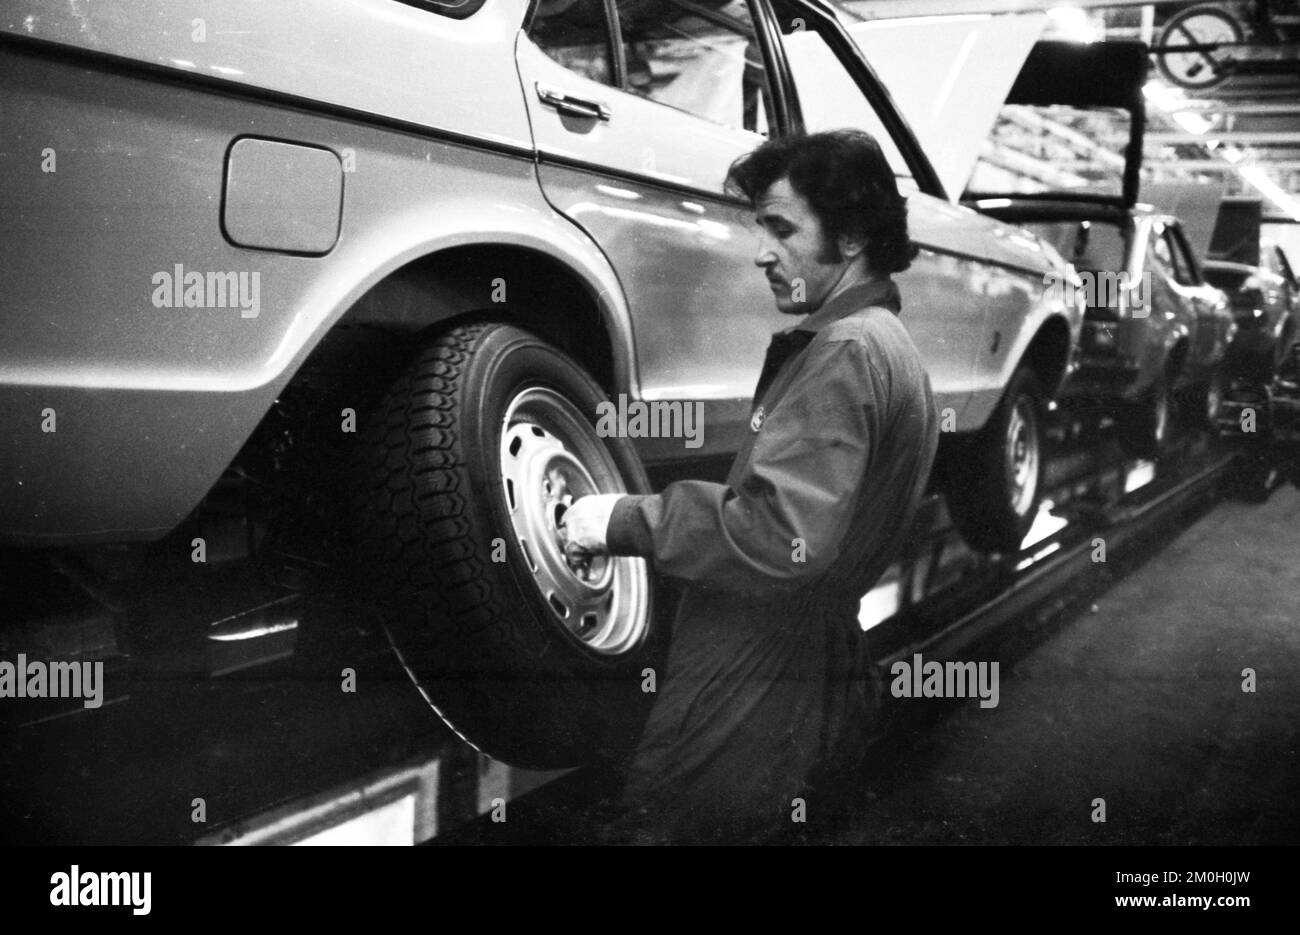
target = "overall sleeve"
x: 783, y: 521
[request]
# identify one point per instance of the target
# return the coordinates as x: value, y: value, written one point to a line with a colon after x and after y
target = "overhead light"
x: 1174, y: 103
x: 1192, y: 122
x: 1166, y: 98
x: 1072, y: 24
x: 1270, y: 190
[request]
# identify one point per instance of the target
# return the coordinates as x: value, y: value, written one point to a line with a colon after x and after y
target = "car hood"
x: 975, y: 64
x: 953, y: 102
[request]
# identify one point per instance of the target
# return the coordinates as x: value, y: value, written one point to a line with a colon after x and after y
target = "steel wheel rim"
x: 550, y: 456
x: 1022, y: 455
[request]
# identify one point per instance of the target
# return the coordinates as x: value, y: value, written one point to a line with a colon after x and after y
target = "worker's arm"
x: 785, y: 519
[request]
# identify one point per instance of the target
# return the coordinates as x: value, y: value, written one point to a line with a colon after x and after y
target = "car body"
x: 171, y: 141
x: 230, y: 231
x: 1264, y: 305
x: 1169, y: 322
x: 1273, y: 259
x: 1284, y: 414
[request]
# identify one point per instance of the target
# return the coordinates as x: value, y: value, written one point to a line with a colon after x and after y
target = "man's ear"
x: 851, y: 246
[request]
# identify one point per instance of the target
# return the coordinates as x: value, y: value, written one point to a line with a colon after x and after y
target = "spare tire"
x: 460, y: 476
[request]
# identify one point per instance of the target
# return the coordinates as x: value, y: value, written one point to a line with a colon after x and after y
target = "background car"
x: 1153, y: 347
x: 1154, y: 330
x: 1263, y: 306
x: 1274, y: 259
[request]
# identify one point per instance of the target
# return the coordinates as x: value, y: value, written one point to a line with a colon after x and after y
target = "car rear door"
x: 638, y: 108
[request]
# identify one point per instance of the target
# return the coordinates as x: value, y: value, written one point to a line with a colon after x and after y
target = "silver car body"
x: 349, y: 153
x: 1171, y: 316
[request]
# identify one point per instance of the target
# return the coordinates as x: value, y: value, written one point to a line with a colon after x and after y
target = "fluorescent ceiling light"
x: 1270, y: 189
x: 1192, y: 122
x: 1173, y: 102
x: 1072, y: 24
x: 1163, y: 96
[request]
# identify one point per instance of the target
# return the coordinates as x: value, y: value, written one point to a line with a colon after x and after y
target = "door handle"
x: 571, y: 104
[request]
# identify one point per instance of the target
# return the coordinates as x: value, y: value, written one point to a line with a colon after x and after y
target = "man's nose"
x: 765, y: 256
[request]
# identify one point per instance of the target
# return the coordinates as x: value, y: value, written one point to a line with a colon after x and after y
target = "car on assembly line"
x: 1264, y: 306
x: 336, y: 289
x: 1155, y: 332
x: 1254, y: 403
x: 1273, y: 259
x: 1154, y: 336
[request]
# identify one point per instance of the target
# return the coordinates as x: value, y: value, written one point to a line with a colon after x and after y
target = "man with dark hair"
x: 764, y: 693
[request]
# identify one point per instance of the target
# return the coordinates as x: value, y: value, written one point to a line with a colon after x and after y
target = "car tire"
x: 1146, y: 426
x: 460, y: 477
x: 993, y: 481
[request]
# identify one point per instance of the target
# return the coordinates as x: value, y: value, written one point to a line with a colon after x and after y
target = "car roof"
x: 1060, y: 206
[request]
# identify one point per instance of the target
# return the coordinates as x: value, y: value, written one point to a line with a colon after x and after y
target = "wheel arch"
x: 505, y: 282
x: 1048, y: 355
x: 370, y: 343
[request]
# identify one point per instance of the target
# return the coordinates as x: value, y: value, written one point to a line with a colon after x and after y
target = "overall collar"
x: 880, y: 292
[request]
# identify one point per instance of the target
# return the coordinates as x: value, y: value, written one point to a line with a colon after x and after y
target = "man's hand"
x: 585, y: 523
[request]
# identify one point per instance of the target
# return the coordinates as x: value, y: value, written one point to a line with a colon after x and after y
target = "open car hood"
x: 953, y: 99
x: 1098, y: 74
x: 975, y: 64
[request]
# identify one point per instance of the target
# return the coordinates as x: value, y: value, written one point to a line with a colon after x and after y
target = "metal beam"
x: 1192, y: 165
x: 1028, y: 166
x: 1291, y: 138
x: 1210, y: 106
x: 894, y: 9
x: 1029, y: 119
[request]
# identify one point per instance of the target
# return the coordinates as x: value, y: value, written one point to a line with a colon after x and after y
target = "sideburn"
x: 829, y: 251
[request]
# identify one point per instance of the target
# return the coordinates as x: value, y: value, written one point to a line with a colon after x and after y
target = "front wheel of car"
x: 993, y: 481
x: 462, y: 476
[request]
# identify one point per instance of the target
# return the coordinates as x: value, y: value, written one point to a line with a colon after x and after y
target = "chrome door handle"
x: 571, y: 104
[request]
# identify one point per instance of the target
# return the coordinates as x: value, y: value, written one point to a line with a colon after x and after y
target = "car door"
x: 1274, y: 260
x: 638, y: 108
x: 1168, y: 319
x: 1212, y: 320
